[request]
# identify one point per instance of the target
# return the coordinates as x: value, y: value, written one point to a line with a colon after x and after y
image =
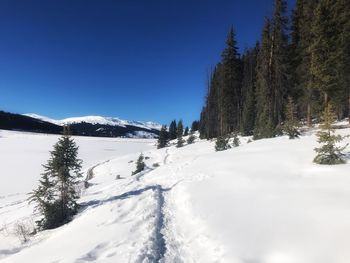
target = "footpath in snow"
x: 263, y: 202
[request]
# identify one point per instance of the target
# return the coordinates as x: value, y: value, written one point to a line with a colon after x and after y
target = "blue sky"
x: 133, y: 59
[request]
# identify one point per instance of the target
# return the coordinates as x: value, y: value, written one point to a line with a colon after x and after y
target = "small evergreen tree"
x: 236, y: 142
x: 191, y: 139
x: 329, y: 153
x: 56, y: 195
x: 186, y: 131
x: 173, y: 130
x: 163, y: 138
x: 291, y: 125
x: 222, y: 143
x: 195, y: 126
x: 180, y: 130
x: 140, y: 165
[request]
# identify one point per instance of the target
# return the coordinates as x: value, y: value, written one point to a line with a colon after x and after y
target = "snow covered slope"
x: 263, y: 202
x: 98, y: 120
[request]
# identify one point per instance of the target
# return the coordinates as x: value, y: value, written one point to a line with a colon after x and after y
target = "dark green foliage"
x: 291, y: 124
x: 222, y: 143
x: 264, y: 127
x: 231, y: 85
x: 140, y: 165
x: 191, y: 139
x: 222, y: 112
x: 194, y: 126
x: 329, y: 153
x: 303, y: 91
x: 180, y: 131
x: 56, y: 195
x: 248, y: 91
x: 324, y: 52
x: 173, y: 130
x: 236, y: 142
x: 163, y: 137
x: 186, y: 131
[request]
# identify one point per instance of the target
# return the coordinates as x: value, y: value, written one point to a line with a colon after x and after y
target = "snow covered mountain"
x: 112, y: 121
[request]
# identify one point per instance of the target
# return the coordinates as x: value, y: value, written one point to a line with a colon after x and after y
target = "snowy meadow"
x: 262, y: 202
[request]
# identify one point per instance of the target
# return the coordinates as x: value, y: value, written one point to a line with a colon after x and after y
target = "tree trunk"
x: 308, y: 118
x: 349, y: 109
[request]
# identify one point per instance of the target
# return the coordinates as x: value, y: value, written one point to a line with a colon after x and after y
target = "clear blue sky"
x: 134, y: 59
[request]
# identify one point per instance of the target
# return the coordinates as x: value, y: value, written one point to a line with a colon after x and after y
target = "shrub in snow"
x: 236, y: 142
x: 23, y: 230
x: 140, y: 165
x: 56, y: 195
x: 329, y: 153
x: 191, y: 139
x: 222, y: 144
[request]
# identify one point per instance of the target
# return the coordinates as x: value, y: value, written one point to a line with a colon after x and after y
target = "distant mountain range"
x: 85, y: 126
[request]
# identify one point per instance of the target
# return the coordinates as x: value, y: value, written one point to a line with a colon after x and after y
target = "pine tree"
x: 329, y: 153
x: 191, y: 139
x: 163, y: 137
x: 324, y: 56
x: 264, y: 127
x: 194, y: 126
x: 222, y: 143
x: 140, y: 165
x: 279, y: 61
x: 56, y: 195
x: 236, y: 142
x: 180, y: 130
x: 341, y: 15
x: 230, y: 95
x: 248, y: 91
x: 173, y: 130
x: 303, y: 91
x: 291, y: 124
x: 186, y: 131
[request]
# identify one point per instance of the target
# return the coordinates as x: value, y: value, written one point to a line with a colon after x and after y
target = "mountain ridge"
x: 96, y: 119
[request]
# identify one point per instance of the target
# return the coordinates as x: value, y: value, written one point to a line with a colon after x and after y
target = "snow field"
x: 263, y: 202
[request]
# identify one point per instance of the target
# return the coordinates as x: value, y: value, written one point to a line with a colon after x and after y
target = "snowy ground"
x: 263, y: 202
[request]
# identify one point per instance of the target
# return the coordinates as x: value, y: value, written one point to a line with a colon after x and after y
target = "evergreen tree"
x: 324, y: 55
x: 279, y: 61
x: 329, y: 153
x: 163, y: 137
x: 180, y: 130
x: 264, y: 127
x: 230, y: 95
x: 186, y: 131
x: 56, y: 195
x: 342, y: 19
x: 303, y: 91
x: 173, y: 130
x: 191, y: 139
x: 203, y: 124
x: 140, y: 165
x: 222, y: 143
x: 194, y: 126
x: 236, y: 142
x: 291, y: 124
x: 248, y: 91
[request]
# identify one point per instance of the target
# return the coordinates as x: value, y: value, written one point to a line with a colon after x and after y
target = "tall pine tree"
x: 56, y: 195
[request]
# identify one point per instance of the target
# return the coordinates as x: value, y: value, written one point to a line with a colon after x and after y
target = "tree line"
x: 303, y: 60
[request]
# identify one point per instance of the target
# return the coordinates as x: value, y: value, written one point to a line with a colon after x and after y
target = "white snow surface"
x: 113, y: 121
x: 262, y: 202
